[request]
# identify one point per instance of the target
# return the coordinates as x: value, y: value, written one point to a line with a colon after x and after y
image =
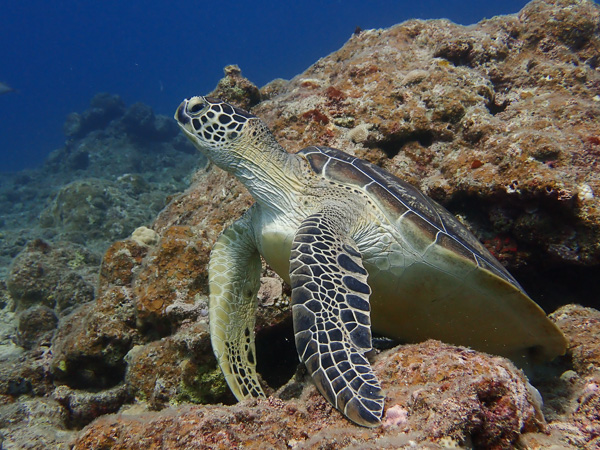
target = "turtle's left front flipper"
x: 330, y: 298
x: 234, y: 279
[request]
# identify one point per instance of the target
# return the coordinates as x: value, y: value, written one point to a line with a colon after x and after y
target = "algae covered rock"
x: 426, y: 407
x: 91, y: 343
x: 176, y: 270
x: 177, y: 369
x: 94, y: 209
x: 58, y: 276
x: 36, y: 326
x: 451, y: 392
x: 236, y: 89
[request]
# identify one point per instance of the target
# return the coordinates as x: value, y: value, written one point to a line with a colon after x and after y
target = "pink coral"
x: 395, y: 416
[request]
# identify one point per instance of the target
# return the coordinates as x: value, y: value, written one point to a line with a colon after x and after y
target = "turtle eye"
x: 197, y: 107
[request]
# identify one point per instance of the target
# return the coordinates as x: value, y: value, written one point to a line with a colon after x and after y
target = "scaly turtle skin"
x: 362, y: 250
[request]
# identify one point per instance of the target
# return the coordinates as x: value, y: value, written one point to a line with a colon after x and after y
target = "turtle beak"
x: 181, y: 114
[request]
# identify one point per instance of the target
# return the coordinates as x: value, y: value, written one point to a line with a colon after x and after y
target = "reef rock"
x: 499, y: 121
x: 436, y: 393
x: 58, y: 276
x: 236, y: 89
x: 36, y: 326
x: 95, y: 210
x: 35, y: 423
x: 81, y: 407
x: 177, y: 369
x: 91, y: 343
x: 582, y: 326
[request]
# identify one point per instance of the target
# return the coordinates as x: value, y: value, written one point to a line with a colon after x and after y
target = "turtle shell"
x: 399, y: 199
x: 499, y: 300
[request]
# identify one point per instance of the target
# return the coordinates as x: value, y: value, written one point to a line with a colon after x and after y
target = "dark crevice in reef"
x: 552, y: 287
x: 495, y: 108
x: 550, y: 280
x: 457, y: 53
x: 276, y: 354
x: 593, y: 62
x: 393, y: 144
x: 93, y: 374
x: 501, y: 84
x: 501, y: 88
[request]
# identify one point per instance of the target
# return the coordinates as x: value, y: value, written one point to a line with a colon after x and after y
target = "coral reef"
x: 57, y: 276
x: 437, y: 396
x: 104, y: 107
x: 108, y: 111
x: 113, y: 175
x: 236, y: 89
x: 498, y: 121
x: 63, y: 334
x: 94, y: 210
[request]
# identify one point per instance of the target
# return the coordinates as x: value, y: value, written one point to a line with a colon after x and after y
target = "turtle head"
x: 217, y: 129
x: 242, y: 144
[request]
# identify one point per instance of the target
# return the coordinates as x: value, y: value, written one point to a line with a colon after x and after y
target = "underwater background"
x: 57, y: 55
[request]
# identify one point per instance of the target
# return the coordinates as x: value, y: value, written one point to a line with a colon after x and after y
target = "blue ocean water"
x: 58, y: 54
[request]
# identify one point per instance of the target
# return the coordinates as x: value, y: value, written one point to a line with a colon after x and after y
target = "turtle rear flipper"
x: 330, y: 298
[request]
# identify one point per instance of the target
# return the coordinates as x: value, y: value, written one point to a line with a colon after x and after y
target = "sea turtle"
x: 362, y: 250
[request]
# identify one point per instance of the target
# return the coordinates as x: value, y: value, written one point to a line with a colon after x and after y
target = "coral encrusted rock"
x: 437, y: 395
x: 58, y: 276
x: 499, y: 121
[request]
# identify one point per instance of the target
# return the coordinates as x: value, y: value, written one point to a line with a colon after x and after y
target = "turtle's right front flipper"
x: 330, y: 305
x: 234, y: 279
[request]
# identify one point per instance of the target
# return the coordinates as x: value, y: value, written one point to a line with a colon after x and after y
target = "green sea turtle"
x: 362, y: 250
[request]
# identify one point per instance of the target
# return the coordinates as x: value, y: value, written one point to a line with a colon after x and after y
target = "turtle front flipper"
x: 234, y: 279
x: 332, y: 326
